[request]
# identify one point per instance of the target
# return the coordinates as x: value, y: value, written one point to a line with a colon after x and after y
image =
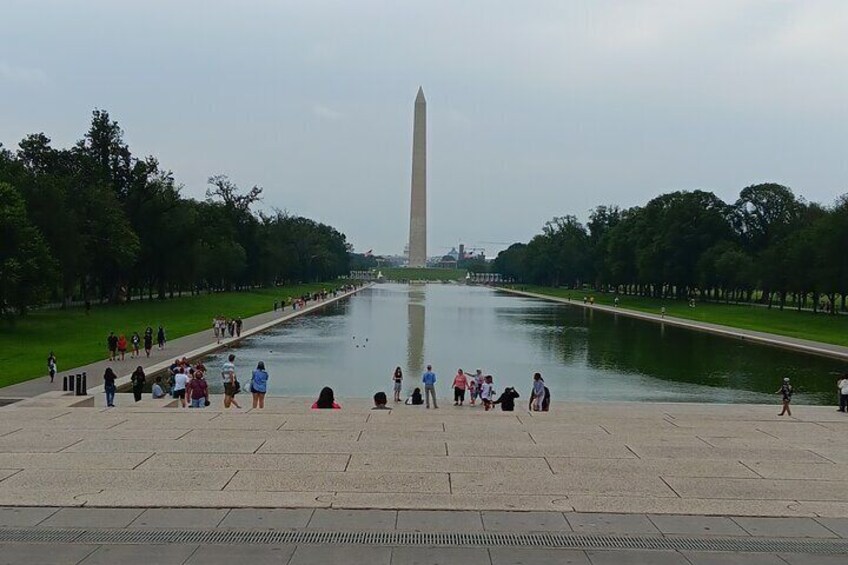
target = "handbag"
x: 236, y: 388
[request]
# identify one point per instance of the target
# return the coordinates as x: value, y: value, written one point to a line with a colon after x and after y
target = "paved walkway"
x: 805, y: 345
x: 611, y: 457
x: 320, y: 536
x: 191, y: 346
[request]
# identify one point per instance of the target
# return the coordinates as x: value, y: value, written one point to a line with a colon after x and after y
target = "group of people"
x: 478, y: 386
x: 224, y: 327
x: 118, y: 345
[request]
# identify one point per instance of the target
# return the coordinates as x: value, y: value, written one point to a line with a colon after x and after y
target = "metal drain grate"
x: 392, y: 538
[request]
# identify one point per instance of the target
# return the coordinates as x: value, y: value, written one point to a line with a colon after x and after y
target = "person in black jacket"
x: 507, y: 399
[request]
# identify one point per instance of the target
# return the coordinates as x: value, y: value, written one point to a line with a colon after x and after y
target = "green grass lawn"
x: 78, y: 339
x: 403, y: 274
x: 805, y: 325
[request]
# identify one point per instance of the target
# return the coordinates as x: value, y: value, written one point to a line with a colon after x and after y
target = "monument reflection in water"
x: 354, y: 346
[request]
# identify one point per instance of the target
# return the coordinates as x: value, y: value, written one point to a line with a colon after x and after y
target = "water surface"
x: 354, y: 345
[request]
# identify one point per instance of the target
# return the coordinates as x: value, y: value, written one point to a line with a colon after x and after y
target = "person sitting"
x: 157, y: 388
x: 380, y: 401
x: 326, y: 400
x: 416, y: 399
x: 507, y: 399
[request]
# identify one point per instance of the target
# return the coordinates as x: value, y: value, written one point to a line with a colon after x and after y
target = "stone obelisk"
x: 418, y: 208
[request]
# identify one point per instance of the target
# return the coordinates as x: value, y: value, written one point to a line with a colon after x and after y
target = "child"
x: 472, y: 390
x: 486, y: 392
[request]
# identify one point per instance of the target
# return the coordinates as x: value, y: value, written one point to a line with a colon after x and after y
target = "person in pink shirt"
x: 326, y: 400
x: 460, y: 383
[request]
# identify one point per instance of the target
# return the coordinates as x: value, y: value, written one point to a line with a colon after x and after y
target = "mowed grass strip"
x: 78, y: 338
x: 825, y: 328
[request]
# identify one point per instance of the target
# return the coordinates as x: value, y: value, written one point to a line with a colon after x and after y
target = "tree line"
x: 768, y: 246
x: 95, y: 222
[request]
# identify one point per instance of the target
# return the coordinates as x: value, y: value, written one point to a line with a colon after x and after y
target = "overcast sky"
x: 535, y: 109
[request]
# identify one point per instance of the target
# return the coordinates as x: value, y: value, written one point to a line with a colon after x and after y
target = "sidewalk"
x: 805, y: 345
x: 87, y: 536
x: 191, y: 346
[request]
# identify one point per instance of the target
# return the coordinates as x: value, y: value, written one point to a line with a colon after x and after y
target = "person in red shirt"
x: 326, y: 400
x: 460, y: 383
x: 122, y: 346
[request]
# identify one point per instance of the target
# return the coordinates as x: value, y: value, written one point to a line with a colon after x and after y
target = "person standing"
x: 138, y: 379
x: 112, y: 344
x: 429, y: 380
x: 537, y: 396
x: 52, y: 367
x: 460, y: 383
x: 109, y: 386
x: 397, y: 383
x: 228, y: 375
x: 148, y: 340
x: 487, y: 391
x: 198, y: 390
x: 180, y: 384
x: 786, y: 392
x: 160, y: 337
x: 843, y: 393
x: 238, y: 324
x: 136, y: 342
x: 259, y: 385
x: 122, y: 346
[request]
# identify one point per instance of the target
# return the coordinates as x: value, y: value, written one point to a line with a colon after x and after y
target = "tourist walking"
x: 112, y: 344
x: 122, y: 346
x: 786, y: 392
x: 109, y: 386
x: 473, y: 392
x: 180, y: 383
x: 216, y: 329
x: 136, y: 342
x: 228, y: 376
x: 397, y: 383
x: 843, y: 393
x: 259, y: 385
x: 326, y: 400
x: 537, y: 396
x: 160, y: 337
x: 52, y: 366
x: 198, y: 390
x: 138, y: 379
x: 238, y: 323
x: 148, y: 340
x: 429, y: 380
x: 460, y: 383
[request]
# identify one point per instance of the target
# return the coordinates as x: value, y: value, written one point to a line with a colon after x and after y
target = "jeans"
x: 430, y: 390
x: 110, y: 397
x: 198, y: 402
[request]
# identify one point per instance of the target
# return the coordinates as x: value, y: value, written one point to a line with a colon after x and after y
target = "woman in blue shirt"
x: 259, y: 385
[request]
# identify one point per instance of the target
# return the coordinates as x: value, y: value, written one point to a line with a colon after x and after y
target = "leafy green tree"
x: 26, y: 268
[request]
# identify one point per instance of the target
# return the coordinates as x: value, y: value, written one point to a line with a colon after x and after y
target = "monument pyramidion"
x: 418, y: 206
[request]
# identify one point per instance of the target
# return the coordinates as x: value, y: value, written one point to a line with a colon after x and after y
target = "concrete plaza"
x: 739, y: 460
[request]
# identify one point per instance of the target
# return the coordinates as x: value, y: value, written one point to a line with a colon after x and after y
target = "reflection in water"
x: 355, y: 345
x: 415, y: 312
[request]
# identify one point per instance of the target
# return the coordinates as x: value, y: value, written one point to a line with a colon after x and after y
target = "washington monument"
x: 418, y: 207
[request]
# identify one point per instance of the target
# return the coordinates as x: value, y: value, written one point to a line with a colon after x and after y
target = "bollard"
x: 65, y: 383
x: 84, y: 384
x: 71, y: 383
x: 79, y: 385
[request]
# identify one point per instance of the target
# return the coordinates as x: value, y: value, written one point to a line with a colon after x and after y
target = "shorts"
x: 397, y: 386
x: 229, y: 389
x: 179, y: 393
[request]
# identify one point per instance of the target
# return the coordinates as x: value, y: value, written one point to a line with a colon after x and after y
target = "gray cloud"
x: 535, y: 109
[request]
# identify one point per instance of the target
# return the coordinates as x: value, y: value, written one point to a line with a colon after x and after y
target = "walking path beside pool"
x: 805, y: 345
x: 191, y: 346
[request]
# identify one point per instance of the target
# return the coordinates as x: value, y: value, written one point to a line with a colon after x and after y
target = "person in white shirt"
x: 180, y: 381
x: 843, y: 393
